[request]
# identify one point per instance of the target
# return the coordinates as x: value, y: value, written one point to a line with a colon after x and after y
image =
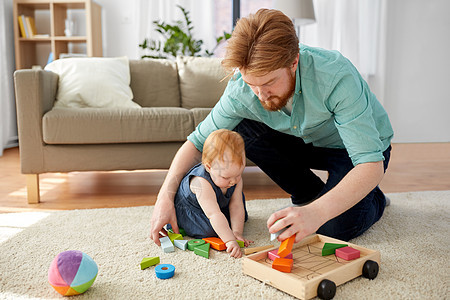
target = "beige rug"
x: 413, y: 237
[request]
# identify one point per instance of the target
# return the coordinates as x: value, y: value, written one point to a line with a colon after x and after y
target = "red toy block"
x: 286, y: 246
x: 216, y: 243
x: 347, y: 253
x: 274, y: 254
x: 283, y: 264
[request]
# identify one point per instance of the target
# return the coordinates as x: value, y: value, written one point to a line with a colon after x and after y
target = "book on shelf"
x: 31, y: 26
x: 27, y: 28
x: 22, y: 25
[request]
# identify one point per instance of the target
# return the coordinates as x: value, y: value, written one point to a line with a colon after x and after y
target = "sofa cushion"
x: 155, y: 83
x: 100, y: 126
x: 200, y: 114
x: 93, y: 82
x: 201, y: 81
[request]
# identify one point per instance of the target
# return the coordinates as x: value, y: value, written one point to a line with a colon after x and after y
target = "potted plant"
x: 178, y: 40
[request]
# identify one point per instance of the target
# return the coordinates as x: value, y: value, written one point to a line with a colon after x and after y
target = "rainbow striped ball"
x: 72, y: 272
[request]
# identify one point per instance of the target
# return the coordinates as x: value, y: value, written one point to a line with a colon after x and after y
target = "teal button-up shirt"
x: 333, y: 107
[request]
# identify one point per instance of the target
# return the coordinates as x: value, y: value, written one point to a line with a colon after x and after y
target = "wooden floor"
x: 413, y: 167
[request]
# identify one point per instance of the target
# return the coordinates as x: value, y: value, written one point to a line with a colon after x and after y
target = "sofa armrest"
x: 35, y: 95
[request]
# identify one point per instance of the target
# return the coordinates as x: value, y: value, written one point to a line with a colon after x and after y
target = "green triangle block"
x: 330, y: 248
x: 202, y: 250
x: 149, y: 261
x: 240, y: 243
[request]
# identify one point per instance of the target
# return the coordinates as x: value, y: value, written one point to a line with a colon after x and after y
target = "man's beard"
x: 275, y: 103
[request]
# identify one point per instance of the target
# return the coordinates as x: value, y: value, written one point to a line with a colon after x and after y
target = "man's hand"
x: 307, y: 219
x: 303, y: 220
x: 164, y: 213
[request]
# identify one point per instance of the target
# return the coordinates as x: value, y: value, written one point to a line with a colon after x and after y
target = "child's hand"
x: 234, y: 249
x: 241, y: 238
x: 247, y: 242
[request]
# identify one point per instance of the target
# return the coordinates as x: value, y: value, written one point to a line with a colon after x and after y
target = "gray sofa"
x: 175, y: 96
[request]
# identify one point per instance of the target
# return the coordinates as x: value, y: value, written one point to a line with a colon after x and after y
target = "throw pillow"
x: 93, y: 82
x: 201, y: 81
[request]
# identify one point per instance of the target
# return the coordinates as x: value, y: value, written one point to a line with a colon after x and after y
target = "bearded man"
x: 298, y: 108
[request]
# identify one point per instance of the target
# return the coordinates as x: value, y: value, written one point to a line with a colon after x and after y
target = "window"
x: 223, y: 16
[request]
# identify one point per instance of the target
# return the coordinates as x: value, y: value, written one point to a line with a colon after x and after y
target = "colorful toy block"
x: 174, y: 236
x: 182, y: 231
x: 241, y: 243
x: 347, y: 253
x: 273, y: 236
x: 216, y: 243
x: 182, y: 244
x: 272, y: 255
x: 165, y: 271
x: 202, y: 250
x: 330, y: 248
x: 283, y: 264
x: 166, y: 244
x: 286, y: 246
x: 149, y: 261
x: 194, y: 243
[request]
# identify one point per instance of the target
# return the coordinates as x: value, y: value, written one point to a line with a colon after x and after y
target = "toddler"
x: 209, y: 201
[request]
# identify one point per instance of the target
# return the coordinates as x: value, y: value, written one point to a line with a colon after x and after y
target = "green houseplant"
x: 178, y: 40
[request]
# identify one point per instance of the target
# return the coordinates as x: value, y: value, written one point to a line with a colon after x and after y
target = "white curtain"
x: 201, y: 13
x: 350, y: 26
x: 8, y: 127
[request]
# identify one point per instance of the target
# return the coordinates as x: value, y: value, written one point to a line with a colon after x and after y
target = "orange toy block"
x: 216, y: 243
x: 286, y: 246
x: 283, y: 264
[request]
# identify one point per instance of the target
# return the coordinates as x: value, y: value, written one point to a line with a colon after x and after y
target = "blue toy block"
x: 165, y: 271
x: 182, y: 244
x: 166, y: 244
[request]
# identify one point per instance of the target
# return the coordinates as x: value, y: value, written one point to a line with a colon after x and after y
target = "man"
x: 297, y: 109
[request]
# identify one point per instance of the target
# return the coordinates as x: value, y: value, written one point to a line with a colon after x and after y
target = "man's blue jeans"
x: 288, y: 161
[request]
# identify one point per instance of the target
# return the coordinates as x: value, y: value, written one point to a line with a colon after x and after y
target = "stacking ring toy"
x: 194, y: 243
x: 164, y: 271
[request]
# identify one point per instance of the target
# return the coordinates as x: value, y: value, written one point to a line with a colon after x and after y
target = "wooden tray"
x: 310, y: 267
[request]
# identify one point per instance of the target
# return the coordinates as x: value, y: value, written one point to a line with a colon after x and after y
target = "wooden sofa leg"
x: 33, y: 188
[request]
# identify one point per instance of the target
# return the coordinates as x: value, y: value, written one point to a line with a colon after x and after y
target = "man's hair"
x: 221, y: 140
x: 261, y: 43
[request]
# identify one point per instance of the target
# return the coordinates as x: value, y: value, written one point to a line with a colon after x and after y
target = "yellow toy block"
x: 149, y: 261
x: 174, y: 236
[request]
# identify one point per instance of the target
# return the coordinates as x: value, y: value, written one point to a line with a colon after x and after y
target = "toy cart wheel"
x: 326, y: 289
x: 370, y: 269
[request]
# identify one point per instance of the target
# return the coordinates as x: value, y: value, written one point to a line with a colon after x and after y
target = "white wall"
x: 417, y: 70
x: 120, y: 28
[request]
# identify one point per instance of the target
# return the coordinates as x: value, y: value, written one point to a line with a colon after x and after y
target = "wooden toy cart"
x: 313, y: 274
